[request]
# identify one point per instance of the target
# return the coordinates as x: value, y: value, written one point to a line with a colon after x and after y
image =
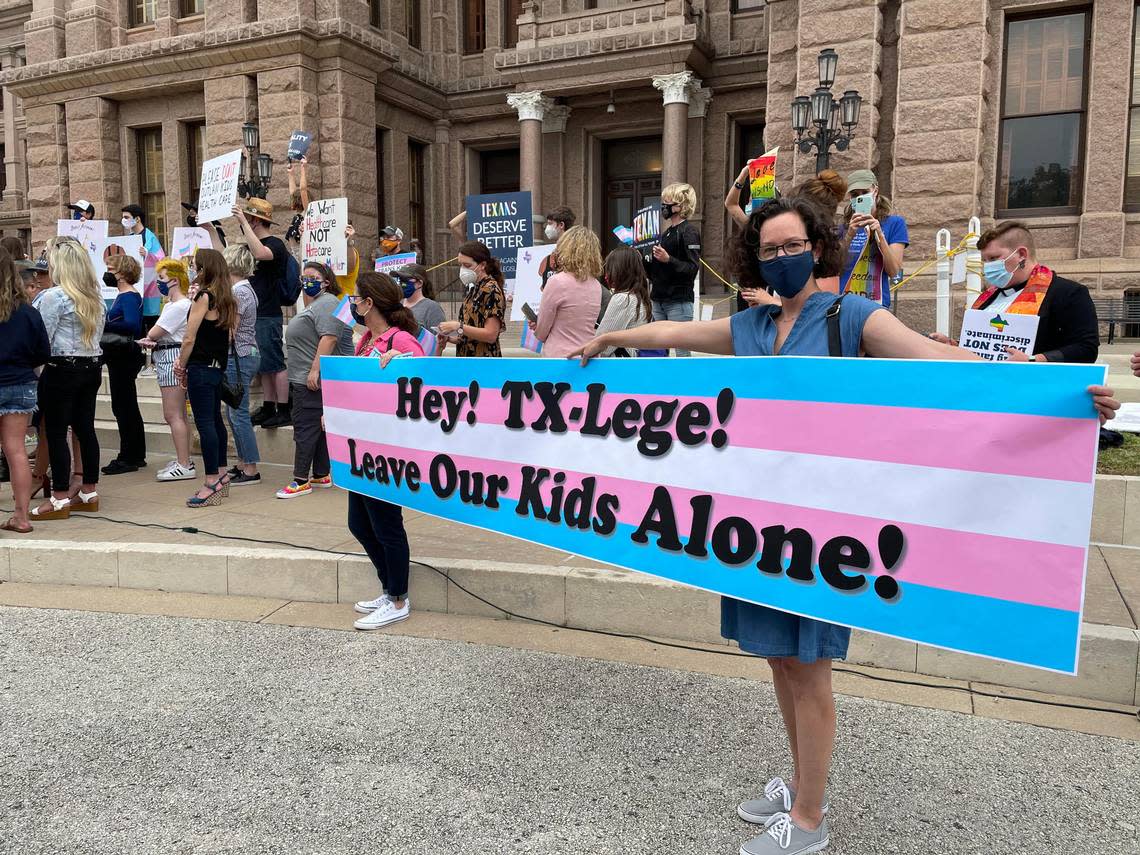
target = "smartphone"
x: 529, y: 313
x: 864, y: 204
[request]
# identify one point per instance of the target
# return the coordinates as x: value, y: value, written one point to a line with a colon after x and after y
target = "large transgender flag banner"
x: 944, y: 503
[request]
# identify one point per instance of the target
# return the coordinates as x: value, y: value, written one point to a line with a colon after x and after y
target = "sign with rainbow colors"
x: 946, y: 503
x: 988, y: 333
x: 762, y: 179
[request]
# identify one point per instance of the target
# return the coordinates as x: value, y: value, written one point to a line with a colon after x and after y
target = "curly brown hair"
x: 743, y: 252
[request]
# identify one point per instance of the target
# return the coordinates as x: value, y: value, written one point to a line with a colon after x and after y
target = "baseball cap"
x: 861, y: 180
x: 83, y: 206
x: 411, y: 271
x: 392, y: 231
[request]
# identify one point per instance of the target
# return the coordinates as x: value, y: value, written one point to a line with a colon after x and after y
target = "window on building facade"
x: 1043, y: 114
x: 474, y: 25
x: 3, y: 169
x: 499, y: 171
x: 195, y: 156
x: 143, y: 12
x: 747, y: 5
x: 151, y: 186
x: 374, y: 12
x: 1132, y: 174
x: 417, y: 193
x: 413, y: 17
x: 381, y: 186
x: 186, y: 8
x: 511, y: 11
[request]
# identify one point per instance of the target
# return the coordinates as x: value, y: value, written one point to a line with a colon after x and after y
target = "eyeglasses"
x: 767, y: 252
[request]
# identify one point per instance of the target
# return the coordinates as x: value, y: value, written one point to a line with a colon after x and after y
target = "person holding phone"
x: 874, y: 240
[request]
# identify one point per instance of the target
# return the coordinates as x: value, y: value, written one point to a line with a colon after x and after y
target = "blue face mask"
x: 77, y: 215
x: 163, y: 287
x: 409, y: 289
x: 996, y: 272
x: 788, y: 274
x: 312, y: 287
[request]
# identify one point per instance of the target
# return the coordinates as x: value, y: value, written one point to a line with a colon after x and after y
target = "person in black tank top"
x: 201, y: 368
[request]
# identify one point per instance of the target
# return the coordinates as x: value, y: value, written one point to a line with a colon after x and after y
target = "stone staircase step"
x: 275, y: 446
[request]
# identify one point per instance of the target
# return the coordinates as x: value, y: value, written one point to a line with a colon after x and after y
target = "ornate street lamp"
x: 820, y: 121
x: 256, y: 171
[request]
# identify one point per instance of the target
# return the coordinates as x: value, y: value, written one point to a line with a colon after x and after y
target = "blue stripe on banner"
x: 968, y: 386
x: 985, y: 626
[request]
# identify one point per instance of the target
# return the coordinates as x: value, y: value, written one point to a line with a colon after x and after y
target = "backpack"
x: 289, y: 286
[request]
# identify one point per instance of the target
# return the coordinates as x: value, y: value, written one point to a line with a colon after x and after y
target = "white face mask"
x: 551, y: 231
x: 128, y: 222
x: 467, y: 277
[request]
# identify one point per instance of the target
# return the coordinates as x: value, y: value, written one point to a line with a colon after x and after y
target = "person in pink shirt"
x: 572, y: 300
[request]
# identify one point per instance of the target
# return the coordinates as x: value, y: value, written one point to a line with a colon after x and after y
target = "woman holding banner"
x: 379, y: 525
x: 788, y: 243
x: 484, y: 311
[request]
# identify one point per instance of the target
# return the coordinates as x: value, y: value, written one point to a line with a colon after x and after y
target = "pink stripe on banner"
x: 947, y: 439
x: 1020, y: 571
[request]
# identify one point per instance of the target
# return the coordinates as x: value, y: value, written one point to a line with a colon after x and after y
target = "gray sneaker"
x: 778, y: 798
x: 783, y: 837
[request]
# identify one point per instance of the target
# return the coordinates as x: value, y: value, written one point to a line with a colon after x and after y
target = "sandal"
x: 60, y: 510
x: 87, y: 502
x: 218, y: 491
x: 12, y: 527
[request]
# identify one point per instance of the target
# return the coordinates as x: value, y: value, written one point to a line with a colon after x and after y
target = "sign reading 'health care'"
x: 325, y: 240
x: 860, y: 492
x: 219, y: 186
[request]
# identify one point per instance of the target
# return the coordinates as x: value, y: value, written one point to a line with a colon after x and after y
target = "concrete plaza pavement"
x: 143, y: 734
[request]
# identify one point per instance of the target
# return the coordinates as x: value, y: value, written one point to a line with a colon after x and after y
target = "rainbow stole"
x: 1029, y: 300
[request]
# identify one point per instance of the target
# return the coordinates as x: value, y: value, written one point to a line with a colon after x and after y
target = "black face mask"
x: 191, y: 221
x: 356, y: 316
x: 667, y: 210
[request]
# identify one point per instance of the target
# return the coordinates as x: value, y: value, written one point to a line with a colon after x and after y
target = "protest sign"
x: 647, y: 230
x: 325, y: 241
x: 124, y: 245
x: 189, y: 240
x: 762, y: 179
x: 529, y: 279
x: 845, y: 490
x: 503, y: 222
x: 299, y: 143
x: 624, y: 234
x: 92, y: 234
x: 988, y: 333
x: 391, y: 263
x: 219, y: 186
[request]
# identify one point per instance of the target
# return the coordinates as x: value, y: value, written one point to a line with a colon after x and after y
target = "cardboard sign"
x: 856, y: 491
x: 762, y: 179
x: 392, y: 263
x: 299, y: 143
x: 219, y: 186
x: 189, y: 240
x: 123, y: 245
x: 503, y: 222
x: 92, y: 234
x: 647, y: 230
x: 529, y: 269
x: 323, y: 235
x: 988, y: 333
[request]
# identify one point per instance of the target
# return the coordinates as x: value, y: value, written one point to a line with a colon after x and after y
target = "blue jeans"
x: 238, y: 416
x: 673, y: 310
x: 202, y: 382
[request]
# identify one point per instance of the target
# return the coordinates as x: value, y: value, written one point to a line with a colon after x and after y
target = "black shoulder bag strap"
x: 834, y: 337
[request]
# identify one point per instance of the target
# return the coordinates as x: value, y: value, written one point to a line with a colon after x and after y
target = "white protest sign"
x: 1127, y: 419
x: 532, y: 261
x: 988, y: 333
x: 958, y: 270
x: 92, y: 234
x: 123, y: 245
x: 219, y: 186
x: 392, y: 263
x: 188, y: 240
x: 324, y: 238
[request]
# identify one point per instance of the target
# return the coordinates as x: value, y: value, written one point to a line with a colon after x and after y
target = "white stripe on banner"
x: 979, y: 502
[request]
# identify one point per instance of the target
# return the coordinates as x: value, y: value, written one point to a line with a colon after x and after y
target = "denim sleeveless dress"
x: 758, y: 629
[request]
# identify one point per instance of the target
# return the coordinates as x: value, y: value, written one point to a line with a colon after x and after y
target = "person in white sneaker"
x: 379, y: 525
x: 165, y: 338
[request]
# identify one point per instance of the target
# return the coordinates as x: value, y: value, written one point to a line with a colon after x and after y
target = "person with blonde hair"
x: 673, y: 264
x: 124, y: 359
x: 240, y: 370
x: 24, y: 347
x: 165, y: 338
x: 73, y: 314
x: 572, y: 298
x: 201, y: 367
